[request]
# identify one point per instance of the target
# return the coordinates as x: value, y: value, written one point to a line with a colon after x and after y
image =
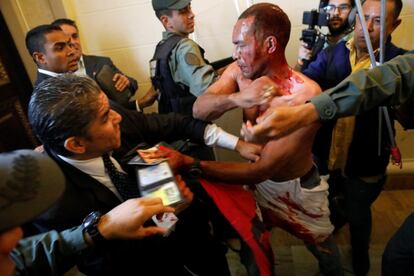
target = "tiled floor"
x: 293, y: 259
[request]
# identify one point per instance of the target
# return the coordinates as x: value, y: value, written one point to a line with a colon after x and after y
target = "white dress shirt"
x: 81, y: 68
x: 96, y: 169
x: 47, y: 72
x: 215, y: 136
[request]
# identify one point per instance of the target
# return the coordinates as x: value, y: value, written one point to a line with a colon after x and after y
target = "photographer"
x: 339, y: 27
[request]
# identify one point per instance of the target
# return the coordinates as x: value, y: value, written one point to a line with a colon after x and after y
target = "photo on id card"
x: 159, y: 181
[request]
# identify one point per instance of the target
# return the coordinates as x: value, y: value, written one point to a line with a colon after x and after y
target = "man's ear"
x: 39, y: 57
x: 165, y: 20
x: 271, y: 44
x: 396, y: 24
x: 75, y: 145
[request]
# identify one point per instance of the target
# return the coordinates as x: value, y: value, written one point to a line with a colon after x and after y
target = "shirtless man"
x: 287, y: 186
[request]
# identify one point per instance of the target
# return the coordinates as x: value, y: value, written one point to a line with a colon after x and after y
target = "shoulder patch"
x: 192, y: 59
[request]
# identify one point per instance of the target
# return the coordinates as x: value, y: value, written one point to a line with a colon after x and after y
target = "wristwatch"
x: 90, y: 226
x: 195, y: 168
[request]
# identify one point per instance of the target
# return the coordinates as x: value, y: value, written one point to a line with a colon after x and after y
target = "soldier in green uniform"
x: 180, y: 71
x: 178, y: 68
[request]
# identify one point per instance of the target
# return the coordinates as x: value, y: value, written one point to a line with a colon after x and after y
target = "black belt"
x: 311, y: 179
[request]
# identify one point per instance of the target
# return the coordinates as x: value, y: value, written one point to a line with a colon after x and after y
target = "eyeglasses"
x: 341, y: 8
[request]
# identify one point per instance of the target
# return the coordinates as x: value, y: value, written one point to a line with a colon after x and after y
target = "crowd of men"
x: 312, y: 168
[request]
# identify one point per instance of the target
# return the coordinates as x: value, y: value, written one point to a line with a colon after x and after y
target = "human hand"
x: 185, y: 191
x: 293, y: 99
x: 121, y: 82
x: 312, y: 90
x: 259, y: 92
x: 279, y: 122
x: 304, y: 52
x: 40, y: 149
x: 176, y: 159
x: 249, y: 151
x: 149, y: 98
x: 126, y: 220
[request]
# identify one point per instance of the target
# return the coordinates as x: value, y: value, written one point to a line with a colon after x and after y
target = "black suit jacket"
x: 94, y: 63
x: 41, y: 77
x: 84, y: 194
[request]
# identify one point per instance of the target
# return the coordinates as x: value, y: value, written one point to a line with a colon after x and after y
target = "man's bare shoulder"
x: 301, y: 89
x: 303, y: 84
x: 228, y: 82
x: 232, y: 72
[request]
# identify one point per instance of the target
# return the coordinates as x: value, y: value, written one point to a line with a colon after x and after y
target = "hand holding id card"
x: 158, y: 181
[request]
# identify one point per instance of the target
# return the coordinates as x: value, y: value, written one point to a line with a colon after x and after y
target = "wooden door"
x: 15, y: 91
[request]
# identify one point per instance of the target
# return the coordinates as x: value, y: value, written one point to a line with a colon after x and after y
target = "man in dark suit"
x: 52, y: 52
x: 89, y: 65
x: 55, y: 53
x: 78, y: 127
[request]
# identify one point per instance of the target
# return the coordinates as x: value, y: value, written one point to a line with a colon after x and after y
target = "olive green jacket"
x: 392, y: 82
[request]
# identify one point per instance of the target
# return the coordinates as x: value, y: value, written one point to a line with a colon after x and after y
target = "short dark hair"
x: 160, y: 13
x: 398, y: 7
x: 36, y: 37
x: 65, y: 21
x: 269, y: 20
x: 63, y: 107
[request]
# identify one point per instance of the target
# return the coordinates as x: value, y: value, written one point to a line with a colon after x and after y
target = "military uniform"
x: 188, y: 74
x: 366, y: 89
x: 189, y: 67
x: 180, y: 72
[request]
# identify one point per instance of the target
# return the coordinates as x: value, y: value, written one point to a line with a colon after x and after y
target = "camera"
x: 311, y: 34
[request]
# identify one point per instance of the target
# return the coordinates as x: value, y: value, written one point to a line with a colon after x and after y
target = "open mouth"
x: 73, y: 62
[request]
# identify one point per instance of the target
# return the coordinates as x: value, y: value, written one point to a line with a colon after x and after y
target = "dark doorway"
x: 15, y: 91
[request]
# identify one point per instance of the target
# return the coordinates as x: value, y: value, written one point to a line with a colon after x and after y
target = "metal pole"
x: 382, y: 35
x: 365, y: 31
x: 383, y: 109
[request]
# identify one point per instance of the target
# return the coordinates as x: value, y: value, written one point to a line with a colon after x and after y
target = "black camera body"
x: 313, y: 18
x: 311, y: 35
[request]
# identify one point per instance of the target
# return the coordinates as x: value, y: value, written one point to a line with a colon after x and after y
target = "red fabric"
x: 239, y: 208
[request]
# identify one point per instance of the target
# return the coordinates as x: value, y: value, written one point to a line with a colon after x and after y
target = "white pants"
x: 302, y: 212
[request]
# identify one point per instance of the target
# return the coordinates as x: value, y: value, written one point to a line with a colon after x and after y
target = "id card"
x: 154, y: 174
x: 158, y: 181
x: 168, y: 192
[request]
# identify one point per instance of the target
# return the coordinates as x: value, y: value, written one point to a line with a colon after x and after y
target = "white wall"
x: 127, y: 30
